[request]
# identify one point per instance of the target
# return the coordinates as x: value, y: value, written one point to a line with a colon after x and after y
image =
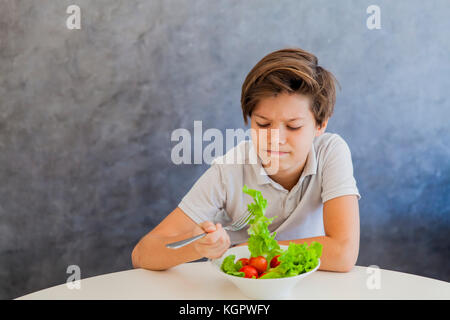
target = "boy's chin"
x: 274, y: 168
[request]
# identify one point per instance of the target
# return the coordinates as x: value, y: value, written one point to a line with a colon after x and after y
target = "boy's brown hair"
x: 290, y: 70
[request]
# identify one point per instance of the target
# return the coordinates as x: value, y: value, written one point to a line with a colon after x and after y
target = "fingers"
x: 215, y: 234
x: 215, y: 243
x: 208, y: 226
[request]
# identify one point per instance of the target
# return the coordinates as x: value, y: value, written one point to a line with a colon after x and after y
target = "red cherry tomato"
x: 249, y: 271
x: 274, y: 262
x: 244, y: 261
x: 260, y: 263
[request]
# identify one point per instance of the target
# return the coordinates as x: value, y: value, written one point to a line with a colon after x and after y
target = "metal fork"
x: 236, y: 226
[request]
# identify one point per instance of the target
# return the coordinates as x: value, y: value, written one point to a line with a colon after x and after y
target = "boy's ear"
x: 321, y: 130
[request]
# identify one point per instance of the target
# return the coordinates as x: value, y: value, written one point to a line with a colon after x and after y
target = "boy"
x: 306, y: 175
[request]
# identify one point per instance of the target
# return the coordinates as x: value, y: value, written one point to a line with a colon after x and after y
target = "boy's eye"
x: 266, y: 125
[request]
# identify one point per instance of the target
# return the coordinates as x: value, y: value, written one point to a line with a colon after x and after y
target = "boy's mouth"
x: 277, y: 153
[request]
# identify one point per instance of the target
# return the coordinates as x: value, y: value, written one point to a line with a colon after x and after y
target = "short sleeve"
x: 337, y: 172
x: 206, y: 197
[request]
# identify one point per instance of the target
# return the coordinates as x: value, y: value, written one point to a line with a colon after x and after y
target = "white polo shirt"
x: 328, y: 174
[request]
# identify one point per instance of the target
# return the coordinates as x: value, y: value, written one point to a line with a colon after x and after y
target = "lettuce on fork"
x: 297, y: 259
x: 261, y: 241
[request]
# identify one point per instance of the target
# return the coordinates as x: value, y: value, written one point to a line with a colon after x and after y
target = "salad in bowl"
x: 263, y: 265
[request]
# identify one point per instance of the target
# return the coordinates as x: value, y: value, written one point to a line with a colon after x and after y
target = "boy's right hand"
x: 215, y: 243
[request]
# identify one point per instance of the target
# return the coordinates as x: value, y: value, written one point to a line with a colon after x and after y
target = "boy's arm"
x: 341, y: 240
x: 150, y: 252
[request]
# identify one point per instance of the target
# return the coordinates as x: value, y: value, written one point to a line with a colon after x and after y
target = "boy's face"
x: 285, y: 124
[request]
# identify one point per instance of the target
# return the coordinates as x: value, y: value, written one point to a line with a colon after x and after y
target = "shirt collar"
x: 311, y: 163
x: 261, y: 174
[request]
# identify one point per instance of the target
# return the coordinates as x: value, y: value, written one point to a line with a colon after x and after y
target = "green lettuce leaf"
x: 297, y: 259
x: 228, y: 266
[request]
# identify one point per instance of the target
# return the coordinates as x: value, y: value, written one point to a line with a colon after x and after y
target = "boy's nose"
x: 277, y: 135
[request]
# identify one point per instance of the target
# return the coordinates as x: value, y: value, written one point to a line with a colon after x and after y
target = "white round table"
x: 199, y: 281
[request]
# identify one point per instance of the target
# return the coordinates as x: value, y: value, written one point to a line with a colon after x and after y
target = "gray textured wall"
x: 86, y: 117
